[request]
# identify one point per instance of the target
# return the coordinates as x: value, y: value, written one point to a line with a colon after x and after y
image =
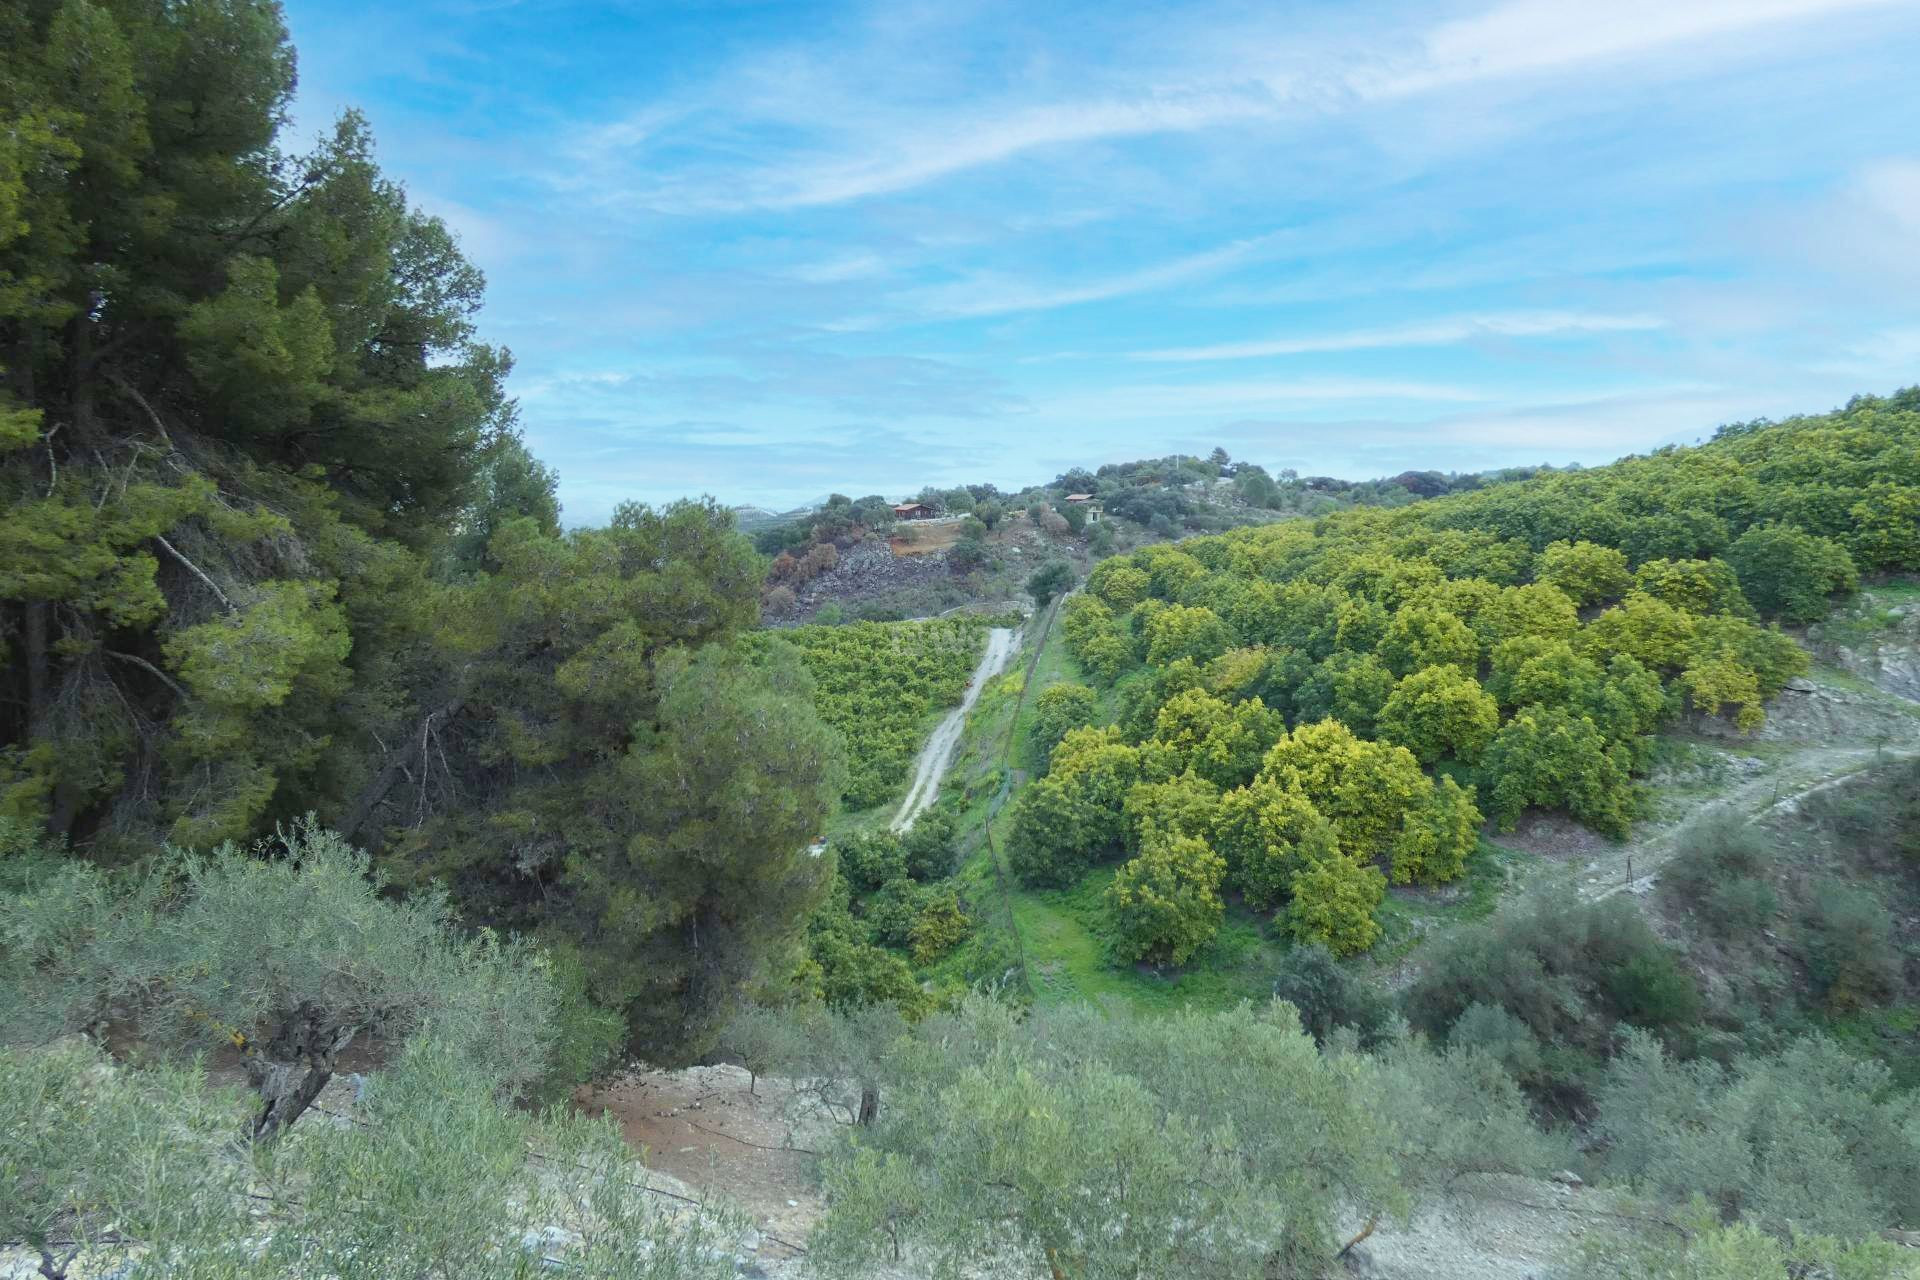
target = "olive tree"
x: 288, y: 952
x: 136, y: 1171
x: 1086, y: 1145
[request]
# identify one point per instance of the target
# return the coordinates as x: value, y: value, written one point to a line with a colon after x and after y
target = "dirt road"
x: 937, y: 755
x: 1782, y: 787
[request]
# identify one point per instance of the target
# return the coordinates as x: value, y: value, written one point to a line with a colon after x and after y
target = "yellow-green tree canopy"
x: 1166, y: 903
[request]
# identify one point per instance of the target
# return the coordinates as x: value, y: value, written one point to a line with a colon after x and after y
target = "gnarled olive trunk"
x: 291, y: 1069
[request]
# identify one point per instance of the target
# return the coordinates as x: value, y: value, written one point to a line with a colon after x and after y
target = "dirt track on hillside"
x: 937, y: 755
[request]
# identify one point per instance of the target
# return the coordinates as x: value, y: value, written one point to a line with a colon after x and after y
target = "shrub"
x: 1811, y: 1138
x: 1181, y: 631
x: 1437, y: 837
x: 1550, y: 757
x: 1440, y: 712
x: 1571, y: 973
x: 133, y: 1172
x: 1699, y: 587
x: 1423, y: 636
x: 1328, y: 997
x: 943, y: 924
x: 1268, y: 833
x: 1054, y: 833
x: 1724, y: 878
x: 588, y: 1038
x: 1048, y: 581
x: 1364, y: 788
x: 1849, y: 946
x: 968, y: 553
x: 1119, y: 583
x: 1060, y: 707
x: 1182, y: 806
x: 1497, y: 1033
x: 928, y: 847
x: 869, y: 859
x: 290, y: 952
x: 892, y: 911
x: 1586, y: 571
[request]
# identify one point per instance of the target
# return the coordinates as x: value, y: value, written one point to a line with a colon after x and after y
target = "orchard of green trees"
x: 877, y: 684
x: 1309, y: 710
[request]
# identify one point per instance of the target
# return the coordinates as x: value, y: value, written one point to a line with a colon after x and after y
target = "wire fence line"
x: 1007, y: 780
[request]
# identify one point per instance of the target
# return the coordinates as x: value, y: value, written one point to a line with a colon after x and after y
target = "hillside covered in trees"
x: 1309, y: 709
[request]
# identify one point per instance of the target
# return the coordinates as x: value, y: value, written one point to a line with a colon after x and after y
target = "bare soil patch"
x: 703, y: 1127
x: 1554, y: 836
x: 924, y: 537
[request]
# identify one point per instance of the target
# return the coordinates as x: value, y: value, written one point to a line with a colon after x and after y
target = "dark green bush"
x: 869, y: 859
x: 928, y: 848
x: 892, y: 911
x: 1329, y: 996
x: 1571, y: 974
x: 1849, y: 946
x: 1725, y: 877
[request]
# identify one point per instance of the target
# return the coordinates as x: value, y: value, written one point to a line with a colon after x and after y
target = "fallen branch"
x: 743, y: 1142
x: 1372, y: 1223
x: 396, y: 767
x: 197, y: 572
x: 127, y: 389
x: 150, y: 669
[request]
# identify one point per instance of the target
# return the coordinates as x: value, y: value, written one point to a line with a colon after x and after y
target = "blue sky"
x: 765, y: 251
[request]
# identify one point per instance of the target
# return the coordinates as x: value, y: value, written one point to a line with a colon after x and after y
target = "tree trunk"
x: 290, y: 1070
x: 80, y: 362
x: 40, y: 705
x: 39, y: 667
x: 869, y: 1105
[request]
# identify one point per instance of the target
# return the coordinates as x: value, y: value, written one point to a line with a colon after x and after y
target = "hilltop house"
x: 912, y: 511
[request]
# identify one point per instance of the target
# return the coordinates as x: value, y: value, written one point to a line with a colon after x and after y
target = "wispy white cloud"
x: 925, y: 153
x: 1435, y: 333
x: 735, y: 235
x: 835, y: 148
x: 1530, y: 37
x: 992, y: 295
x: 851, y: 266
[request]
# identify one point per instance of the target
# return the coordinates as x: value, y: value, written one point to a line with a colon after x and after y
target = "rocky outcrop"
x: 1808, y: 711
x: 867, y: 570
x: 1892, y: 661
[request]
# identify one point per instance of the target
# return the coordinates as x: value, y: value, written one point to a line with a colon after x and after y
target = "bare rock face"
x: 1893, y: 665
x: 1809, y: 712
x: 1888, y: 658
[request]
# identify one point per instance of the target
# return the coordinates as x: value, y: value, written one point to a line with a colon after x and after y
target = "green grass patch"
x: 1064, y: 932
